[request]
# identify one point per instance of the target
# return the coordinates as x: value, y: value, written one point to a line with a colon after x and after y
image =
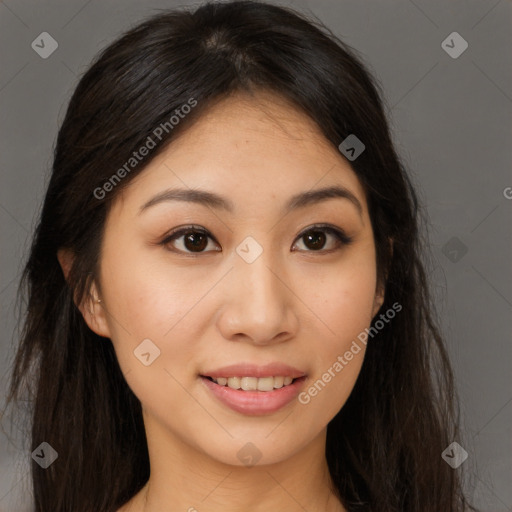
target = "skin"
x: 295, y: 304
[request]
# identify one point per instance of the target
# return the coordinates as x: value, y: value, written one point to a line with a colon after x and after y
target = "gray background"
x: 451, y: 120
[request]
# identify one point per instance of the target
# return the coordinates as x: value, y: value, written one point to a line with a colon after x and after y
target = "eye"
x: 195, y: 239
x: 315, y: 238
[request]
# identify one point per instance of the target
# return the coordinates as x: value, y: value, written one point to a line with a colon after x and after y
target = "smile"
x: 254, y: 396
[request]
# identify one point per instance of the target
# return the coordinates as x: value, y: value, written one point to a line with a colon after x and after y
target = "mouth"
x: 253, y: 396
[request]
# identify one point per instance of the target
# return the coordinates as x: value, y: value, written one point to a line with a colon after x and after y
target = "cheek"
x: 338, y: 353
x: 147, y: 295
x: 149, y: 301
x: 150, y: 315
x: 342, y: 300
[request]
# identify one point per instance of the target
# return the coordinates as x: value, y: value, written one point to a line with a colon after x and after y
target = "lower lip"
x: 255, y: 403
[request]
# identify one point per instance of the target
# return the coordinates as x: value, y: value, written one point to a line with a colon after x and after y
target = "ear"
x: 381, y: 287
x: 93, y: 312
x: 378, y: 299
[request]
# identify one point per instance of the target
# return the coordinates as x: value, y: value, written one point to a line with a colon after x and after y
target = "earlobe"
x: 94, y: 313
x: 92, y: 308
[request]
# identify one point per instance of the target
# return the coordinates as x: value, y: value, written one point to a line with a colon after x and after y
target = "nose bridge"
x: 253, y: 270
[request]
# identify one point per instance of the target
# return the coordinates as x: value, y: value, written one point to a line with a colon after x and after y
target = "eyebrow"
x: 216, y: 201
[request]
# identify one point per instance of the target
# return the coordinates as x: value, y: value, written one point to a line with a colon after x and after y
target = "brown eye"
x: 315, y: 238
x: 193, y: 240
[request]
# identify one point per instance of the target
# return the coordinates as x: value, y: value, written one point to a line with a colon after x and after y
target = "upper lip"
x: 252, y: 370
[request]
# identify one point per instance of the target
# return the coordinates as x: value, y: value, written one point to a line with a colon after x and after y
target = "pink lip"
x: 252, y: 370
x: 254, y: 403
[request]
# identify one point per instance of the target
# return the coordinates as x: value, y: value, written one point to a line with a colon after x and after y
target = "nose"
x: 258, y: 304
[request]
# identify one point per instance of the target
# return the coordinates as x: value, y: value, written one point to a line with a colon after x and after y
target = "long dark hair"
x: 384, y: 446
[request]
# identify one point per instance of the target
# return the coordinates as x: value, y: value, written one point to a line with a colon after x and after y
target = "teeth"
x: 278, y: 382
x: 254, y: 383
x: 233, y: 382
x: 265, y: 384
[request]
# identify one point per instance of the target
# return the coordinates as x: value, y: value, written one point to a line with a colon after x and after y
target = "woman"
x: 226, y: 299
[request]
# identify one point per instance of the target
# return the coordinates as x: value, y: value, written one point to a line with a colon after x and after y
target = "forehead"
x: 249, y: 146
x: 260, y: 118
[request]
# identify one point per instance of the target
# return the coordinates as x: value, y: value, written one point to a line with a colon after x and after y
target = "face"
x: 253, y: 280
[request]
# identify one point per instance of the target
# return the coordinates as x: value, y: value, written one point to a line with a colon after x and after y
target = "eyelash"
x: 339, y: 234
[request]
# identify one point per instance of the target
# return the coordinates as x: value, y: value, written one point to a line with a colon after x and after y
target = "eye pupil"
x: 197, y: 243
x: 314, y: 237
